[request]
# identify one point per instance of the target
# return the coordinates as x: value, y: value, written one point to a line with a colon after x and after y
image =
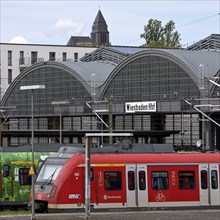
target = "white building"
x: 14, y: 58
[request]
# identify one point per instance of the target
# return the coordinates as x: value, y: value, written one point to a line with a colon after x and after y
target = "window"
x: 50, y: 170
x: 21, y: 59
x: 75, y: 57
x: 204, y: 182
x: 24, y: 177
x: 160, y: 180
x: 33, y: 57
x: 9, y: 58
x: 64, y: 57
x: 214, y: 179
x: 52, y: 56
x: 9, y: 76
x: 186, y: 180
x: 131, y: 180
x: 6, y: 170
x: 142, y: 180
x: 91, y: 174
x: 113, y: 180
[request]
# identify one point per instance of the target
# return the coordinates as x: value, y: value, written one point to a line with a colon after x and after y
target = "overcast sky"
x: 53, y: 22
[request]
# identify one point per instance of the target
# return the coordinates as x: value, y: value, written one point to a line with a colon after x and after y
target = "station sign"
x: 132, y: 107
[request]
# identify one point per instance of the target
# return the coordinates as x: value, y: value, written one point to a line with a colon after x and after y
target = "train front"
x: 44, y: 185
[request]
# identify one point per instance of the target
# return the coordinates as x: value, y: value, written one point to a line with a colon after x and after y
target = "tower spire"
x: 100, y: 33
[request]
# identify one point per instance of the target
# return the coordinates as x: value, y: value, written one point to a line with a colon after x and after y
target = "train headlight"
x: 52, y: 192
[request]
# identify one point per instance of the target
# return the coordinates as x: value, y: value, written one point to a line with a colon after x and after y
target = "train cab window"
x: 186, y: 180
x: 142, y: 180
x: 160, y: 180
x: 204, y: 179
x: 214, y: 179
x: 50, y: 170
x: 6, y: 170
x: 24, y: 177
x: 113, y: 180
x: 131, y: 180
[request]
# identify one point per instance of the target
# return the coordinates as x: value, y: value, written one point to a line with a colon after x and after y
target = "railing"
x: 28, y: 61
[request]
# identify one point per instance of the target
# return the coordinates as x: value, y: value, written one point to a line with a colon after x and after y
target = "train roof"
x: 122, y: 148
x: 157, y: 158
x: 143, y: 154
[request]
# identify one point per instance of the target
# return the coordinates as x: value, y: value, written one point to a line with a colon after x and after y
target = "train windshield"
x: 50, y: 170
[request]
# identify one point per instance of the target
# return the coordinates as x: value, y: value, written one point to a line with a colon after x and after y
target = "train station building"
x: 167, y: 96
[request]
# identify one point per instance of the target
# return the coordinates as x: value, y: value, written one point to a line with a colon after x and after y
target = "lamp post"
x: 60, y: 104
x: 32, y: 88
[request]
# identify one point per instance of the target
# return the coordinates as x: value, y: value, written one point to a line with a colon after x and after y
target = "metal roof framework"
x: 113, y: 55
x: 210, y: 43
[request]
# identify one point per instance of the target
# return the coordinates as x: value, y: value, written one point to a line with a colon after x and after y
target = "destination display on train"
x: 132, y: 107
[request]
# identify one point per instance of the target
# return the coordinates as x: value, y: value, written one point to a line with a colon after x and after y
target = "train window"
x: 204, y: 179
x: 24, y: 177
x: 214, y: 179
x: 186, y: 180
x: 113, y: 180
x: 91, y: 174
x: 131, y: 180
x: 142, y: 180
x: 160, y: 180
x: 50, y: 170
x: 6, y: 170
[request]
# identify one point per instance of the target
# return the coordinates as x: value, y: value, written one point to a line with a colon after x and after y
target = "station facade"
x: 160, y: 95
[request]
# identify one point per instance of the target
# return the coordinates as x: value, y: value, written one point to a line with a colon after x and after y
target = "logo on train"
x: 111, y: 197
x: 74, y: 196
x: 160, y: 197
x: 76, y: 175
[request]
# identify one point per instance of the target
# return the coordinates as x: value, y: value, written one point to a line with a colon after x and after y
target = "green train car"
x: 15, y: 181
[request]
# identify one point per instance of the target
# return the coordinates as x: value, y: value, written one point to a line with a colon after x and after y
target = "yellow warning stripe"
x: 23, y: 162
x: 108, y: 165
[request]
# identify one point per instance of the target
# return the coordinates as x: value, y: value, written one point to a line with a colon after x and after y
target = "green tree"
x: 156, y: 35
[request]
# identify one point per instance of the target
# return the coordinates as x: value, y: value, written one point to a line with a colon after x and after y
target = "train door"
x: 214, y: 184
x: 209, y: 184
x: 136, y: 190
x: 131, y: 185
x: 204, y: 190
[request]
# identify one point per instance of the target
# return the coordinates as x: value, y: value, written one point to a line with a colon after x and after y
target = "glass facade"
x: 59, y: 86
x: 154, y: 78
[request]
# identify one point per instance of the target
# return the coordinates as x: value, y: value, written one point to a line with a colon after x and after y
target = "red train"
x: 129, y: 180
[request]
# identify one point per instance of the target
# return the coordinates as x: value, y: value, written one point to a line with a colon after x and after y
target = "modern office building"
x: 160, y: 95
